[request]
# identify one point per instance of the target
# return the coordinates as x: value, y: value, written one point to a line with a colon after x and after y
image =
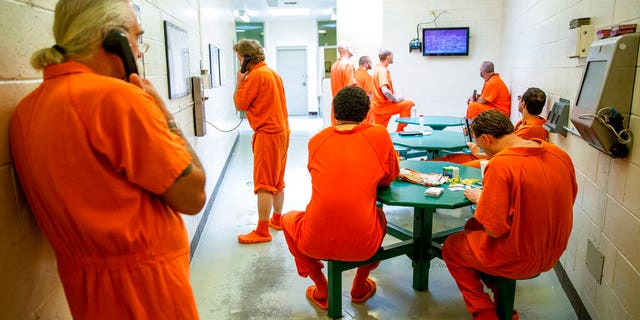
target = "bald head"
x: 345, y: 49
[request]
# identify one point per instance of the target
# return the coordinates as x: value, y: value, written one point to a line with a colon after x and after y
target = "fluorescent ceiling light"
x: 240, y: 30
x: 242, y: 15
x: 289, y: 12
x: 322, y: 31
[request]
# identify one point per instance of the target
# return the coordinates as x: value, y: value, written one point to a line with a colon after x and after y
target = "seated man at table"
x: 530, y: 127
x: 347, y: 163
x: 494, y: 94
x: 524, y: 213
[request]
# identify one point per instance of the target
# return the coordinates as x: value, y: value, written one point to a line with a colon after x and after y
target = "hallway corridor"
x: 235, y: 281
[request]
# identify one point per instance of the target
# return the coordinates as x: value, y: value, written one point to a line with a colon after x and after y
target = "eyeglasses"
x: 143, y: 47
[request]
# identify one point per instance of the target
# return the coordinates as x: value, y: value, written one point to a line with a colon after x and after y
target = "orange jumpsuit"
x: 262, y: 96
x: 524, y: 129
x: 365, y: 81
x: 497, y: 95
x: 527, y: 202
x: 93, y: 154
x: 341, y: 221
x: 383, y: 108
x: 342, y: 75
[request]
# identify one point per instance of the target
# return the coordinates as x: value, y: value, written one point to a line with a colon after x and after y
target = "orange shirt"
x: 342, y: 75
x: 93, y: 154
x: 381, y: 77
x: 262, y: 96
x: 346, y: 168
x: 364, y: 80
x: 527, y: 201
x: 497, y: 95
x: 532, y: 129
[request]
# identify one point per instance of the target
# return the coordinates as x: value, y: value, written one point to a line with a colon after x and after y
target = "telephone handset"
x: 245, y: 63
x: 117, y: 42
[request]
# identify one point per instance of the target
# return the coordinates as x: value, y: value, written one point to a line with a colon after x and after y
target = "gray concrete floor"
x: 235, y: 281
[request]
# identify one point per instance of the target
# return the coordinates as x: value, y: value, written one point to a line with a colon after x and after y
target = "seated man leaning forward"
x: 347, y: 163
x: 494, y: 94
x: 530, y: 127
x: 524, y: 213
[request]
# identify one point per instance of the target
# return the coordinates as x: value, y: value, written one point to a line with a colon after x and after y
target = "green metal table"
x: 421, y: 245
x: 432, y: 143
x: 435, y: 122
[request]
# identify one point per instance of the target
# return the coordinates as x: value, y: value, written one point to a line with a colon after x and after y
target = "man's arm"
x: 387, y: 93
x: 186, y: 194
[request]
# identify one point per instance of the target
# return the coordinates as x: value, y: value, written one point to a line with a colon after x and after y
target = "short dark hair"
x: 351, y: 103
x: 534, y: 100
x: 491, y: 122
x: 364, y: 60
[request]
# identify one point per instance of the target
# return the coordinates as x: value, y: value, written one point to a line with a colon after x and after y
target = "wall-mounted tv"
x: 445, y: 41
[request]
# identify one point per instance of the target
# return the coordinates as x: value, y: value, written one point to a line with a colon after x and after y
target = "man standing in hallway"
x: 365, y: 81
x: 260, y: 92
x: 386, y: 102
x: 106, y: 171
x: 494, y: 95
x: 347, y: 163
x: 524, y: 214
x: 342, y: 72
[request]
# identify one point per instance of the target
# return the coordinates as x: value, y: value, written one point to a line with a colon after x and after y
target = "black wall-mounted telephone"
x: 245, y: 63
x: 117, y: 42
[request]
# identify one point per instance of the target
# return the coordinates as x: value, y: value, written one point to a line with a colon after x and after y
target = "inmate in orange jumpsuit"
x: 497, y: 95
x: 365, y: 81
x: 261, y: 95
x: 342, y: 75
x: 527, y: 202
x: 342, y: 221
x: 93, y: 155
x: 383, y: 108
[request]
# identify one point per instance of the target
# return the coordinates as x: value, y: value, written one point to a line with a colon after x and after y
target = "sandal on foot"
x: 320, y: 303
x: 372, y: 290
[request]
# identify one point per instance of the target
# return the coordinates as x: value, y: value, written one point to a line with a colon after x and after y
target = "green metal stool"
x: 506, y: 294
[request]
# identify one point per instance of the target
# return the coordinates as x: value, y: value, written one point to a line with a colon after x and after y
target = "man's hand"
x: 148, y: 87
x: 473, y: 194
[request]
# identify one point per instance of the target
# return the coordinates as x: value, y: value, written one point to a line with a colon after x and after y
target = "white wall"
x: 295, y: 33
x: 607, y: 211
x: 438, y: 85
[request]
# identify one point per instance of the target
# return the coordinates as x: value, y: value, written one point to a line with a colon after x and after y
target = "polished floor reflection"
x: 235, y: 281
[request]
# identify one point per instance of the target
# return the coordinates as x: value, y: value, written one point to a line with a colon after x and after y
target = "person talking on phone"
x: 106, y: 171
x: 260, y: 93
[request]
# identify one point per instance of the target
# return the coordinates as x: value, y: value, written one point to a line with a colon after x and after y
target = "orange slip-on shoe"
x: 253, y: 237
x: 320, y: 303
x: 366, y: 296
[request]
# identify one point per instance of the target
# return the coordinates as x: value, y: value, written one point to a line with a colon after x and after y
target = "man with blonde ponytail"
x: 107, y: 172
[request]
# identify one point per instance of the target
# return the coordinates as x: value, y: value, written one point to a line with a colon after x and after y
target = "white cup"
x: 483, y: 166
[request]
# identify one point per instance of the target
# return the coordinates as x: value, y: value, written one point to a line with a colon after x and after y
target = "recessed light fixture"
x: 289, y: 12
x: 322, y: 31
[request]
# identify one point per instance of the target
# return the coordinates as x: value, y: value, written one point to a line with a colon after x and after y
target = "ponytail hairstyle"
x: 79, y: 27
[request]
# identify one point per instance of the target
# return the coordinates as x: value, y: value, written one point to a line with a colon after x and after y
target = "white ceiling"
x: 257, y: 9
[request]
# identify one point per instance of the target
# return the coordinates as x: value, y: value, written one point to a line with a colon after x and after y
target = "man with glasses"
x: 107, y: 172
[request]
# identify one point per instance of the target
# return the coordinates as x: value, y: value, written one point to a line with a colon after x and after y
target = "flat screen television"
x: 445, y: 41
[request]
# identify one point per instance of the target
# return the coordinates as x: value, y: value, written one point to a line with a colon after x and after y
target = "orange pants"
x: 475, y: 108
x: 269, y: 160
x: 292, y: 222
x: 382, y: 114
